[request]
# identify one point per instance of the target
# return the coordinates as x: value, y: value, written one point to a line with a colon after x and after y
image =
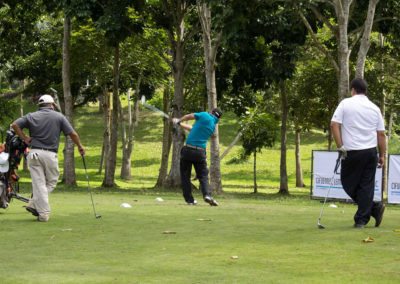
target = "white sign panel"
x: 324, y: 179
x: 394, y: 179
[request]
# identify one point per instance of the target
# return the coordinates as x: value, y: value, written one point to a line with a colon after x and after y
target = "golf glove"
x: 343, y: 152
x: 176, y: 121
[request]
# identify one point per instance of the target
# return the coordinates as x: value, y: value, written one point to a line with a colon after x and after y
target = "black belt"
x: 44, y: 149
x: 195, y: 147
x: 354, y: 151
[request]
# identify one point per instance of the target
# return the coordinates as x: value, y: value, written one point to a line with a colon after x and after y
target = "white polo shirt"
x: 360, y: 119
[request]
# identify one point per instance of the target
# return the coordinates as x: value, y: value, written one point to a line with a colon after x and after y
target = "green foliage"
x: 143, y: 57
x: 118, y: 19
x: 7, y: 109
x: 260, y: 45
x: 259, y: 131
x: 313, y: 93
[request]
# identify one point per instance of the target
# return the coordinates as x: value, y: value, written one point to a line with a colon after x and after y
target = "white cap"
x: 4, y: 165
x: 46, y: 99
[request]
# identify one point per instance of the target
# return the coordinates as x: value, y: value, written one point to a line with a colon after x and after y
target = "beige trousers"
x: 43, y: 166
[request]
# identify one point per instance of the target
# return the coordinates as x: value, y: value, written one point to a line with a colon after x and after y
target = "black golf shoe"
x: 359, y: 226
x: 378, y: 213
x: 32, y: 210
x: 192, y: 203
x: 210, y: 200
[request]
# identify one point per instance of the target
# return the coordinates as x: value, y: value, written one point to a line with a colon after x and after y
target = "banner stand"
x: 323, y: 178
x: 393, y: 180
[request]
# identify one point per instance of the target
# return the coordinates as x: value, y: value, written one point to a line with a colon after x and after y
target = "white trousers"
x: 43, y: 166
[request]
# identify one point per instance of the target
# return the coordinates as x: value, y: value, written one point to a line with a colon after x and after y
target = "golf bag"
x: 10, y: 156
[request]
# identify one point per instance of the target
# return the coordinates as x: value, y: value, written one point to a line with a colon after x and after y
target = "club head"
x: 320, y: 226
x: 98, y: 216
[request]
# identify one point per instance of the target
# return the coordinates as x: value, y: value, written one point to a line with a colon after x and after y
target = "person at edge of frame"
x: 358, y: 128
x: 45, y: 126
x: 194, y: 152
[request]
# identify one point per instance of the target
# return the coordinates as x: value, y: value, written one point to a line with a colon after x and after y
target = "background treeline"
x: 279, y: 66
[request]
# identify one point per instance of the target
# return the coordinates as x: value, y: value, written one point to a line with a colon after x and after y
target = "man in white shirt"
x: 358, y: 128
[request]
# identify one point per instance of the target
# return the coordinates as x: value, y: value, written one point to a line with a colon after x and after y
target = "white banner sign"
x: 324, y: 179
x: 394, y: 179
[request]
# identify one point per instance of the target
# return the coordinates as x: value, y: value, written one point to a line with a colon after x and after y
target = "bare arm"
x: 75, y: 138
x: 185, y: 126
x: 337, y: 135
x: 21, y: 134
x: 186, y: 117
x: 382, y: 147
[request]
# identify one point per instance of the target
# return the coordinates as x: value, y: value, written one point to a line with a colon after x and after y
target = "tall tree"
x: 345, y: 19
x: 118, y: 20
x: 259, y: 131
x: 144, y: 69
x: 69, y: 161
x: 211, y: 44
x: 268, y: 43
x: 173, y: 16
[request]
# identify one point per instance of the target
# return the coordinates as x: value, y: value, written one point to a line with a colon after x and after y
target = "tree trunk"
x: 166, y: 146
x: 230, y: 146
x: 330, y: 138
x: 383, y: 111
x: 342, y: 12
x: 209, y: 59
x: 299, y: 170
x: 283, y: 188
x: 137, y: 100
x: 390, y: 127
x: 69, y: 162
x: 105, y: 150
x: 178, y: 137
x: 111, y: 161
x: 255, y: 172
x: 100, y: 99
x: 127, y: 144
x: 365, y: 40
x: 21, y: 108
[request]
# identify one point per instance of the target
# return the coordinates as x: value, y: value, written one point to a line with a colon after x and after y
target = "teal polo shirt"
x: 202, y: 129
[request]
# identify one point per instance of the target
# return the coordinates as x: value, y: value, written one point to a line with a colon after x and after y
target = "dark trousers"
x: 358, y: 180
x: 197, y: 158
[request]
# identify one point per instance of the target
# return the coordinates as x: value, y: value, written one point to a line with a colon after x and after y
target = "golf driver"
x: 153, y: 108
x: 97, y: 216
x: 319, y: 225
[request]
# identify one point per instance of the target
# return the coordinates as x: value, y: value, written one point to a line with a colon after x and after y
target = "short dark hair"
x: 217, y: 112
x: 359, y: 85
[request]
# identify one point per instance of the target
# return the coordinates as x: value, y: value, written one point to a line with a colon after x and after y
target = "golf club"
x: 97, y: 216
x: 319, y: 225
x: 153, y: 108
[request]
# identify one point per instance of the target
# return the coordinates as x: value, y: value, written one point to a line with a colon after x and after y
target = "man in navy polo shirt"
x: 358, y: 128
x: 194, y: 152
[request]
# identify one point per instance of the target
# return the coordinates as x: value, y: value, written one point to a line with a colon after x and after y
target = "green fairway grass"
x: 249, y: 238
x: 275, y: 240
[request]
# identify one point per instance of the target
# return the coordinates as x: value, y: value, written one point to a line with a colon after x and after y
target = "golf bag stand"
x: 9, y: 185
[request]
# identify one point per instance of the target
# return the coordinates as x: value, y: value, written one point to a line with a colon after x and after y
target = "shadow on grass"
x: 145, y: 162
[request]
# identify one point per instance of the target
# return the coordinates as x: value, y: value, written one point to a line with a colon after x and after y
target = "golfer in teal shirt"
x: 194, y: 153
